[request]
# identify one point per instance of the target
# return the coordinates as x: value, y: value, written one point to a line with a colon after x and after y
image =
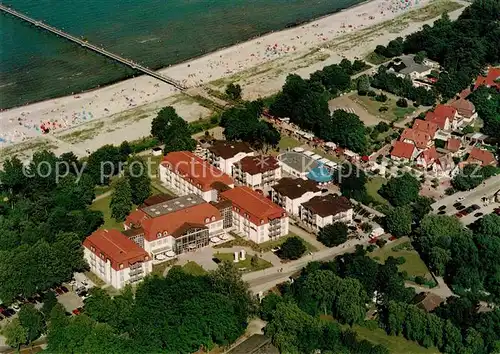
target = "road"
x: 266, y: 279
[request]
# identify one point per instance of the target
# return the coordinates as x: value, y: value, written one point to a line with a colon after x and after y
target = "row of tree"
x: 180, y: 313
x: 487, y: 103
x: 468, y: 259
x: 472, y: 175
x: 305, y: 102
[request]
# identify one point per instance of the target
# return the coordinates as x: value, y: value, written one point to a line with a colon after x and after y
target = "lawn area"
x: 395, y: 344
x: 287, y: 142
x: 103, y: 205
x: 159, y: 268
x: 414, y: 265
x: 95, y: 279
x: 99, y: 190
x: 262, y: 247
x: 376, y: 59
x: 245, y: 265
x: 194, y: 268
x: 267, y: 246
x: 372, y: 187
x: 393, y: 113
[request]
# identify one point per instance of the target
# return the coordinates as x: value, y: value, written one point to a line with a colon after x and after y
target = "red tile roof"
x: 253, y: 205
x: 440, y: 114
x: 426, y: 127
x: 258, y: 164
x: 402, y: 150
x: 464, y: 107
x: 419, y: 138
x: 489, y: 80
x: 116, y: 247
x: 485, y: 157
x: 135, y: 218
x: 200, y: 214
x: 429, y: 155
x: 196, y: 171
x: 453, y: 144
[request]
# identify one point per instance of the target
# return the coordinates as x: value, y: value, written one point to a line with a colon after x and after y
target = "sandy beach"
x: 54, y: 116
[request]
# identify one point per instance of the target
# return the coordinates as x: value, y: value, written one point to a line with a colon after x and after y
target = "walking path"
x: 307, y: 236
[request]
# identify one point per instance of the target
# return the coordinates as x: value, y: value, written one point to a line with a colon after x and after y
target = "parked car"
x: 475, y: 207
x: 442, y: 207
x: 459, y: 199
x: 76, y: 312
x: 459, y: 215
x: 477, y: 215
x: 441, y: 212
x: 456, y: 205
x: 64, y: 289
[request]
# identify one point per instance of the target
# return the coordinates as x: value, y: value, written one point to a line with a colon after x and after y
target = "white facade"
x: 116, y: 278
x: 293, y: 172
x: 272, y: 230
x: 258, y: 180
x: 317, y: 221
x: 180, y: 186
x: 226, y: 165
x: 292, y: 206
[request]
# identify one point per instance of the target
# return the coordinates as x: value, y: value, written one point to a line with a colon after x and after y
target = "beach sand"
x: 259, y: 65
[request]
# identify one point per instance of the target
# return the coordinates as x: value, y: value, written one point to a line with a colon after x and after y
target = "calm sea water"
x: 36, y: 65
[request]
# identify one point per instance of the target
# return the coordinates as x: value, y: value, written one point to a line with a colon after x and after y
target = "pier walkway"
x: 94, y: 48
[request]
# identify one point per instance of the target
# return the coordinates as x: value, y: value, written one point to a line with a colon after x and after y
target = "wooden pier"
x: 94, y: 48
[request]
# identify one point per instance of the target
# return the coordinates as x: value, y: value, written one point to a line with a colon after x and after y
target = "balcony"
x: 135, y: 272
x: 135, y: 279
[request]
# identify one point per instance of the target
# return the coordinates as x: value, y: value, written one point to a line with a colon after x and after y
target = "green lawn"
x: 194, y: 268
x: 372, y: 187
x: 95, y: 279
x: 394, y: 113
x: 267, y: 246
x: 287, y: 142
x: 103, y: 205
x: 246, y: 264
x: 376, y: 59
x: 395, y: 344
x: 414, y: 265
x: 99, y: 190
x: 262, y: 247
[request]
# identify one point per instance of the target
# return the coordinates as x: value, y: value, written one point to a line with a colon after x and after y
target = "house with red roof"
x: 444, y: 116
x: 453, y: 145
x: 115, y: 258
x: 481, y: 157
x: 466, y: 111
x: 421, y: 140
x: 402, y: 151
x: 427, y: 158
x: 426, y: 127
x: 254, y: 216
x: 492, y: 79
x: 184, y: 173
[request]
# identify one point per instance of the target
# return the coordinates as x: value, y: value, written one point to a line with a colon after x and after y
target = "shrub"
x: 292, y: 248
x: 381, y: 97
x: 402, y: 103
x: 383, y: 109
x: 371, y: 248
x: 371, y: 93
x: 381, y: 242
x: 401, y: 260
x: 420, y: 280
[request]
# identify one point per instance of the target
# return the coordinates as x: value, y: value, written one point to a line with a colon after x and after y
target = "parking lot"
x: 469, y: 212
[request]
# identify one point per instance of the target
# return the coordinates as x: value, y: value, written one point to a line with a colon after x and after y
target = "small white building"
x: 185, y: 173
x: 224, y: 154
x: 255, y: 217
x: 116, y: 259
x: 290, y: 193
x: 297, y: 164
x: 324, y: 210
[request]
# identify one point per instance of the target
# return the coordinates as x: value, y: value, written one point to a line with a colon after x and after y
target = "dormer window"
x: 165, y: 233
x: 121, y: 265
x: 207, y: 220
x: 158, y: 235
x: 213, y: 218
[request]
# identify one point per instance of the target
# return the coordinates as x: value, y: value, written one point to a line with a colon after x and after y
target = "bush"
x: 420, y: 280
x: 366, y: 227
x: 382, y: 127
x: 371, y: 248
x: 371, y: 93
x: 381, y: 98
x: 402, y: 103
x: 292, y: 248
x: 383, y: 109
x: 381, y: 242
x: 401, y: 260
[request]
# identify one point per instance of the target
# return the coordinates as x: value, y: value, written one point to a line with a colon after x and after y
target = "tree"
x: 254, y: 261
x: 49, y: 301
x: 104, y: 163
x: 138, y: 177
x: 292, y: 248
x: 15, y: 334
x: 233, y: 91
x: 172, y: 130
x: 125, y: 150
x: 420, y: 56
x: 402, y: 103
x: 363, y: 84
x: 333, y: 234
x: 348, y: 131
x: 353, y: 183
x: 121, y: 200
x: 421, y: 207
x: 32, y: 321
x: 268, y: 306
x: 400, y: 191
x: 398, y: 221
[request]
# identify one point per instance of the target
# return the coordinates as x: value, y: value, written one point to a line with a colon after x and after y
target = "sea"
x: 36, y: 65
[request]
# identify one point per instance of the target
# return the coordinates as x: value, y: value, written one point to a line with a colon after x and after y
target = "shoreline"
x: 245, y: 63
x: 196, y: 57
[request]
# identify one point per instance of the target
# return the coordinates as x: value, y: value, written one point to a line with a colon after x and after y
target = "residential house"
x: 427, y: 158
x: 427, y: 301
x: 290, y: 193
x: 184, y: 173
x: 254, y: 216
x: 115, y: 258
x: 405, y: 66
x: 324, y: 210
x: 453, y: 145
x: 257, y: 172
x: 224, y: 154
x: 445, y: 166
x: 492, y: 79
x: 444, y: 116
x: 481, y: 157
x: 402, y: 151
x: 426, y: 127
x: 466, y: 112
x: 420, y: 139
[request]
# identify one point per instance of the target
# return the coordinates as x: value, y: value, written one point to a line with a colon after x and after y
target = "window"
x: 121, y: 265
x: 158, y: 235
x: 213, y: 218
x: 207, y: 220
x: 165, y: 233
